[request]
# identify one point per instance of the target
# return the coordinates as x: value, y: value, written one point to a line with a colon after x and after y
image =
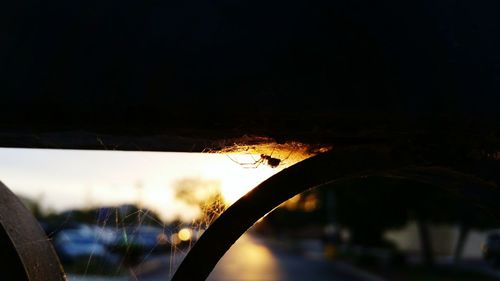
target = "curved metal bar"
x: 331, y: 168
x: 311, y: 172
x: 27, y: 254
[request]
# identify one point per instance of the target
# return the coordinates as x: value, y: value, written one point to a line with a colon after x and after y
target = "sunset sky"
x: 64, y: 179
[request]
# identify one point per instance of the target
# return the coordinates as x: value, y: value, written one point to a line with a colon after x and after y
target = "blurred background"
x: 114, y: 215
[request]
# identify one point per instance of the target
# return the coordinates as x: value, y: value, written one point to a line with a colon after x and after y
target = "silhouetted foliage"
x: 203, y: 194
x: 119, y: 216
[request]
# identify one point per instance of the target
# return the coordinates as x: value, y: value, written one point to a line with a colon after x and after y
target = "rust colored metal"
x: 27, y: 254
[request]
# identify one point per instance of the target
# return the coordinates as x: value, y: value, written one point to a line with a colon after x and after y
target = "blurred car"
x: 77, y: 243
x: 141, y: 240
x: 105, y: 235
x: 491, y: 249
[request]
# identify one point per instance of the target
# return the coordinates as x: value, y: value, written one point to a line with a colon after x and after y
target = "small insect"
x: 271, y: 161
x: 264, y: 159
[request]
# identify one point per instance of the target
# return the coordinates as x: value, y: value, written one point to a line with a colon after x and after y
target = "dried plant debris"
x: 253, y: 151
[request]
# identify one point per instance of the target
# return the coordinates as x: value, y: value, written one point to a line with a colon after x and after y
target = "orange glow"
x: 185, y: 234
x: 292, y: 203
x: 145, y: 179
x: 175, y: 239
x: 235, y: 185
x: 162, y: 239
x: 253, y: 167
x: 250, y: 260
x: 310, y: 203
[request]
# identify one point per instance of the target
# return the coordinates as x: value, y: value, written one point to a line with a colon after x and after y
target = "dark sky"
x: 93, y: 59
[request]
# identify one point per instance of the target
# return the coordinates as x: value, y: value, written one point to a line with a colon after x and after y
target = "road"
x: 253, y: 259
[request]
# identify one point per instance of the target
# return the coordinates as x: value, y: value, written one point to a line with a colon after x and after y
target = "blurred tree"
x: 299, y: 216
x: 368, y: 208
x: 125, y: 215
x: 203, y: 194
x: 119, y: 216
